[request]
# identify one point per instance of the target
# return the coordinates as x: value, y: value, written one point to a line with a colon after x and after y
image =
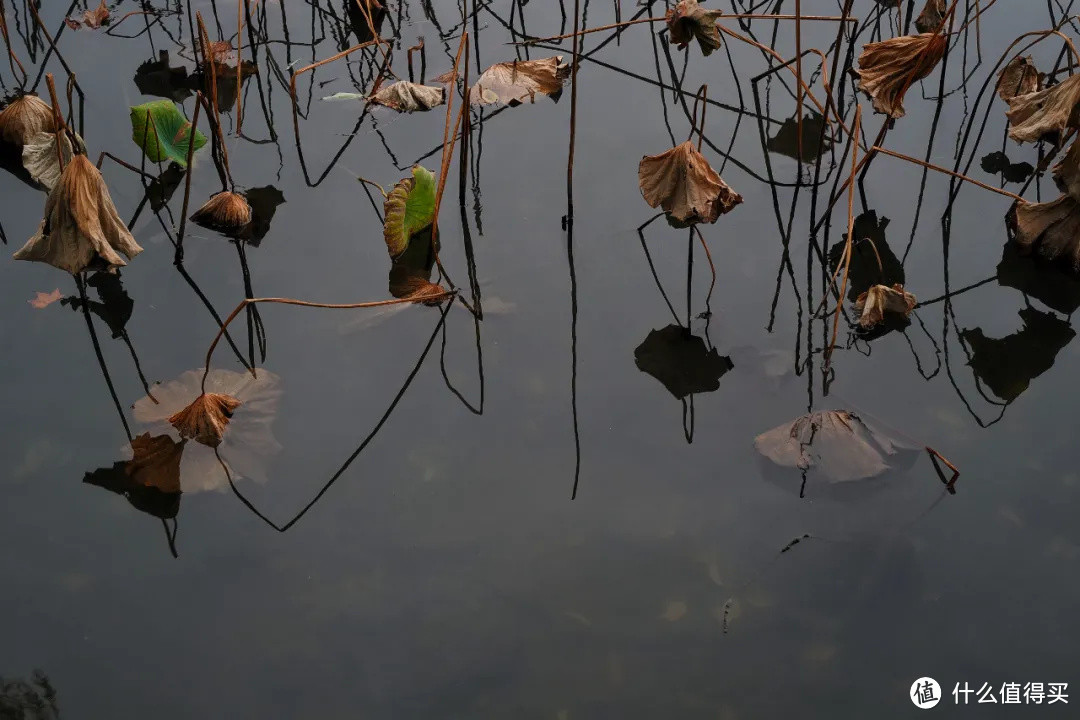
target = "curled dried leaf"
x: 1018, y: 77
x: 81, y: 230
x: 40, y: 160
x: 226, y: 212
x: 1051, y: 229
x: 206, y: 418
x: 1067, y: 172
x: 519, y: 81
x: 932, y: 16
x: 682, y: 182
x: 879, y: 300
x: 688, y: 20
x: 25, y: 117
x: 92, y: 19
x: 1047, y: 113
x: 888, y: 68
x: 409, y: 97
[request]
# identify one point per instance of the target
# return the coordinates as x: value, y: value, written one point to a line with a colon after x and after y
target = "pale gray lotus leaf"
x: 40, y: 160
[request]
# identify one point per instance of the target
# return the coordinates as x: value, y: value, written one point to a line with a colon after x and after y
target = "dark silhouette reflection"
x: 864, y: 271
x: 161, y: 189
x: 359, y: 23
x: 160, y: 79
x: 681, y: 361
x: 814, y: 142
x: 997, y: 163
x: 1008, y: 365
x: 264, y: 202
x: 1045, y: 282
x: 28, y: 700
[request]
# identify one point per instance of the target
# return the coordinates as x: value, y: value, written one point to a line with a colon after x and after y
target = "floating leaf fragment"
x: 409, y: 97
x: 409, y: 209
x: 1018, y: 77
x: 888, y: 68
x: 81, y: 230
x: 92, y: 19
x: 1051, y: 229
x: 682, y: 182
x: 838, y: 444
x: 25, y: 117
x: 226, y: 212
x: 932, y: 16
x: 518, y: 81
x: 688, y: 20
x: 43, y: 300
x: 880, y: 300
x: 338, y: 97
x: 1047, y: 113
x: 168, y: 134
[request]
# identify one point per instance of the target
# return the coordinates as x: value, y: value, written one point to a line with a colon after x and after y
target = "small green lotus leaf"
x: 167, y: 135
x: 409, y: 209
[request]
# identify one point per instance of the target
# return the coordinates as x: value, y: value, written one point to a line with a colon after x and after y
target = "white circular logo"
x: 925, y: 693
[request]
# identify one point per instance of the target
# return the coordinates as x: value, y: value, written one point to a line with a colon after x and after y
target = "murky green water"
x: 448, y: 571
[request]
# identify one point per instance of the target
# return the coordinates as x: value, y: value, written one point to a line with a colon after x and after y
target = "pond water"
x: 558, y: 511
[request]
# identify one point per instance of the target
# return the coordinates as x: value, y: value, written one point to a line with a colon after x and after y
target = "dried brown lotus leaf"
x: 888, y: 68
x: 932, y: 16
x: 1067, y: 172
x: 25, y: 117
x: 519, y: 81
x: 880, y: 300
x: 92, y: 19
x: 226, y: 212
x: 81, y: 230
x: 405, y: 96
x: 688, y: 21
x: 156, y: 462
x: 1018, y: 77
x: 1046, y: 113
x: 206, y: 418
x: 682, y: 182
x: 39, y: 158
x: 1051, y: 229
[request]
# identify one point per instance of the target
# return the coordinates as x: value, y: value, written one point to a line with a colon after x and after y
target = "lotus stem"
x: 239, y: 63
x: 934, y: 454
x: 179, y: 257
x: 931, y: 166
x: 58, y: 120
x: 302, y: 303
x: 13, y: 59
x: 449, y: 141
x: 850, y: 232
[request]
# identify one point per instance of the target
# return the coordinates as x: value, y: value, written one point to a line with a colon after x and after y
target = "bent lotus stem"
x: 239, y: 62
x: 931, y: 166
x: 639, y: 21
x: 302, y: 303
x: 850, y: 232
x: 179, y: 257
x: 934, y: 456
x: 209, y: 62
x: 712, y: 268
x: 58, y: 120
x: 702, y: 97
x: 449, y: 142
x: 13, y: 59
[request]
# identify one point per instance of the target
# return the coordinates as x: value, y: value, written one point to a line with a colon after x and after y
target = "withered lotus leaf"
x: 206, y: 418
x: 23, y: 118
x: 838, y: 443
x: 156, y: 462
x: 879, y: 300
x: 1018, y: 77
x: 682, y: 182
x: 1046, y: 113
x: 81, y: 229
x: 409, y: 210
x: 40, y: 160
x: 1067, y: 172
x: 688, y: 20
x: 931, y: 17
x: 407, y: 283
x: 92, y: 19
x: 519, y: 81
x: 888, y: 68
x: 409, y: 97
x: 226, y: 212
x: 1052, y: 229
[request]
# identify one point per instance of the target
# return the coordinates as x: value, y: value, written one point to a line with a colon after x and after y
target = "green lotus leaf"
x: 167, y: 135
x: 409, y: 209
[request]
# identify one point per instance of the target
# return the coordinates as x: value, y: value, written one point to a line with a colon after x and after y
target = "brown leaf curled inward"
x: 682, y: 182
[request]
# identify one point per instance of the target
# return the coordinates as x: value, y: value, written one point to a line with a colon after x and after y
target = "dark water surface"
x: 447, y: 573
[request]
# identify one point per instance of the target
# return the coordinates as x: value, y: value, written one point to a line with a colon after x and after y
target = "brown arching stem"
x: 239, y: 63
x: 850, y: 230
x: 13, y: 59
x: 179, y: 257
x: 211, y: 63
x: 302, y: 303
x: 450, y: 136
x: 700, y: 97
x: 931, y: 166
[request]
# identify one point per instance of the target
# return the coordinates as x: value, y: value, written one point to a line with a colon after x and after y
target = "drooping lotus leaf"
x: 1008, y: 365
x: 1018, y: 77
x: 226, y: 212
x: 931, y: 17
x: 682, y: 182
x: 838, y: 444
x: 688, y: 20
x: 880, y: 300
x: 1052, y: 229
x: 889, y: 68
x: 92, y: 19
x: 408, y: 210
x: 39, y: 158
x: 23, y: 118
x: 1067, y: 172
x: 409, y: 97
x: 81, y: 229
x: 1046, y: 113
x: 168, y: 134
x: 519, y: 81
